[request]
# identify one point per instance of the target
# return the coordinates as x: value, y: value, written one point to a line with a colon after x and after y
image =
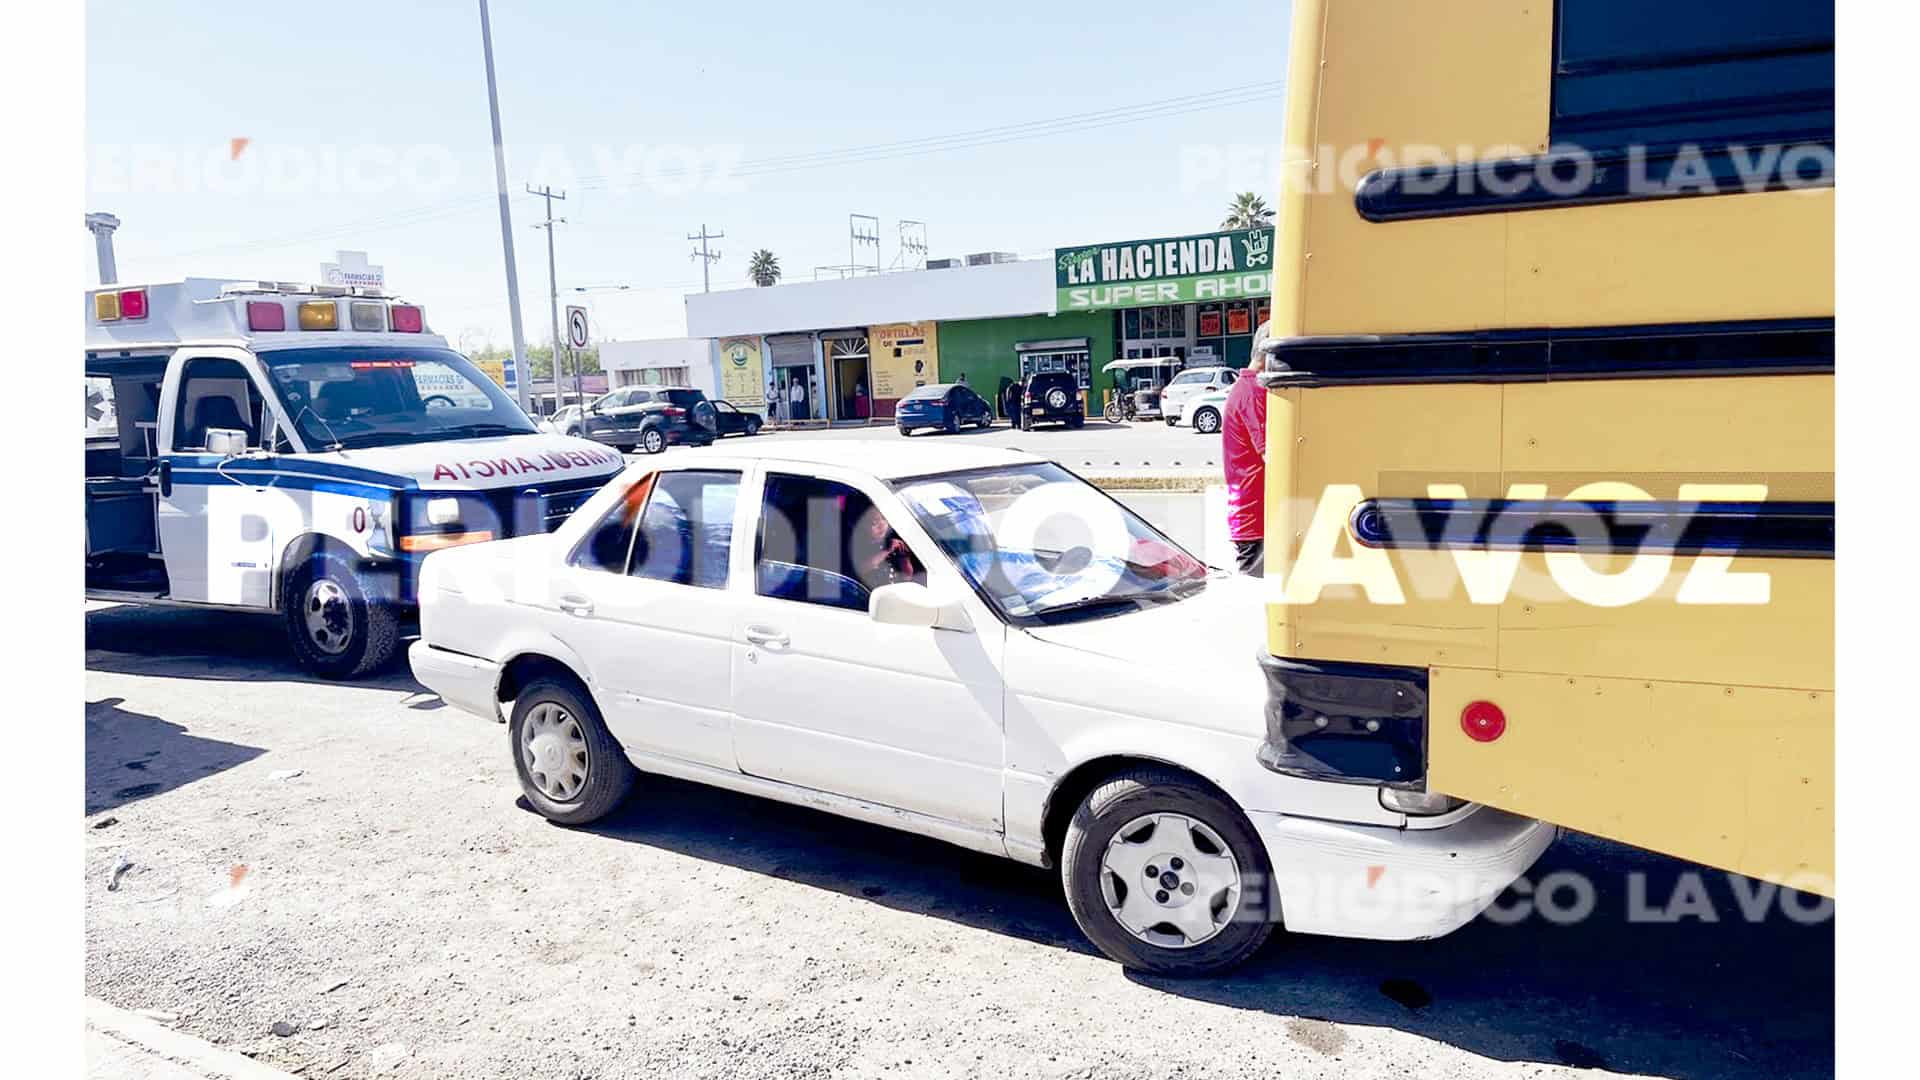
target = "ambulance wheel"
x: 337, y: 629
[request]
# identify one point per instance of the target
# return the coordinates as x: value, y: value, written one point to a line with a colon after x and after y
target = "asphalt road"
x: 403, y: 912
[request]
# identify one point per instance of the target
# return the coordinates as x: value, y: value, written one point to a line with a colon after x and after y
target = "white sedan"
x: 962, y: 642
x: 1202, y: 412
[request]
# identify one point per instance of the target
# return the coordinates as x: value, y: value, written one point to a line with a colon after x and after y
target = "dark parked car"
x: 1052, y: 397
x: 947, y: 406
x: 651, y: 418
x: 733, y: 420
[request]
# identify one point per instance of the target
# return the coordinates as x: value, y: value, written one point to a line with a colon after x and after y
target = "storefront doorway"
x: 796, y: 379
x: 846, y: 355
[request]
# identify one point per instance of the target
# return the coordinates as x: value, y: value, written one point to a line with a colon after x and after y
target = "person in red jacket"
x: 1243, y: 455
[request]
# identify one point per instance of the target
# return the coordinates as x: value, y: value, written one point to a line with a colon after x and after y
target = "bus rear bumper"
x: 1386, y: 884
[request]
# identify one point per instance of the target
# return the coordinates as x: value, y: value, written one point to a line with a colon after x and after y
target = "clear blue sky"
x: 368, y: 129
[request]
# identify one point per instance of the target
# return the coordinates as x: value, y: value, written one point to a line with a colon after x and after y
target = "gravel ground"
x: 403, y: 913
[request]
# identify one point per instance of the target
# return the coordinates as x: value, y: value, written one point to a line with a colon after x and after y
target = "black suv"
x: 1051, y: 397
x: 651, y: 418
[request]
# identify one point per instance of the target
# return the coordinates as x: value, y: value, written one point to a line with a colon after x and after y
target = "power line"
x: 857, y: 155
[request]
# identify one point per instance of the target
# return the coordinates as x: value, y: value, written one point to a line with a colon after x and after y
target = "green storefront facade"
x: 990, y: 352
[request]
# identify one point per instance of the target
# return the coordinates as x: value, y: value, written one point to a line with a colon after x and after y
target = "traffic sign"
x: 577, y: 327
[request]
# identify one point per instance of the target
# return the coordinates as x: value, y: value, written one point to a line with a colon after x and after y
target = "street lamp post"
x: 521, y: 376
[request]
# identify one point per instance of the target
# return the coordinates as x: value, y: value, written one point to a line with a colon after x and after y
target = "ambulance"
x: 275, y: 447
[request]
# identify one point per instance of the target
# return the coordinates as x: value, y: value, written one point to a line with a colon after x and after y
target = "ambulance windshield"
x: 356, y: 396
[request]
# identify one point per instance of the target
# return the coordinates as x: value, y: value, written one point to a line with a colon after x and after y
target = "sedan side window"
x: 823, y: 542
x: 608, y: 545
x: 687, y: 529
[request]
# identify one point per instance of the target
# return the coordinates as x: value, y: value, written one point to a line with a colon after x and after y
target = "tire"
x: 653, y: 440
x: 1237, y: 922
x: 1026, y: 422
x: 753, y: 427
x: 1113, y: 411
x: 952, y: 425
x: 903, y: 430
x: 609, y: 776
x: 1169, y: 420
x: 349, y: 633
x: 1207, y: 421
x: 1076, y: 421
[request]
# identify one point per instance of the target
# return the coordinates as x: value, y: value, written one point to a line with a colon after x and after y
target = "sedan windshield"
x: 362, y: 395
x: 1044, y: 546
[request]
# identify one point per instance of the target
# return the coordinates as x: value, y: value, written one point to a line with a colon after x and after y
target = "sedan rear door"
x: 645, y: 602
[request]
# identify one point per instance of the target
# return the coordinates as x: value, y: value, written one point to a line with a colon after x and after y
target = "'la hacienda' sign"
x: 1233, y: 265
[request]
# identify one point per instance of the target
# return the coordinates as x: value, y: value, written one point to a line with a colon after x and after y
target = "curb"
x: 117, y: 1039
x: 1189, y: 483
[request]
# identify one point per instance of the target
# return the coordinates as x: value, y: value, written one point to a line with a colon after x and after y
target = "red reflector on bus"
x: 133, y: 303
x: 406, y: 318
x: 266, y: 315
x: 1483, y: 721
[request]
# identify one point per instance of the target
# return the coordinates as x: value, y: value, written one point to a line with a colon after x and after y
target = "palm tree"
x: 1248, y: 211
x: 764, y: 267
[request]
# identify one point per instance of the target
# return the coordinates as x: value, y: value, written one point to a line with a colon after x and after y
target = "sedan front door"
x: 825, y: 697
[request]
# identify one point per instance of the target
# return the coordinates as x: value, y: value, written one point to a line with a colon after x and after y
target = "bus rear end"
x: 1550, y: 417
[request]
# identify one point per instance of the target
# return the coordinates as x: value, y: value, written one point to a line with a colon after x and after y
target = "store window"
x: 1078, y: 361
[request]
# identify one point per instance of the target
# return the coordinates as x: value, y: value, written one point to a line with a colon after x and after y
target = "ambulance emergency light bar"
x: 367, y: 307
x: 363, y: 315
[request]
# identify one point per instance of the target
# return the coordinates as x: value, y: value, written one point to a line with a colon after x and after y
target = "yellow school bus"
x: 1550, y: 445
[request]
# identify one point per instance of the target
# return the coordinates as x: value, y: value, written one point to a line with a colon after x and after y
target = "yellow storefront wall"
x: 901, y: 356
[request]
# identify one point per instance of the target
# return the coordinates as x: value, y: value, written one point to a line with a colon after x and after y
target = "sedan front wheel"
x: 571, y: 769
x: 1164, y: 875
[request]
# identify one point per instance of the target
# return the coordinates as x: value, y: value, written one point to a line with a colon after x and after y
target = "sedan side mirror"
x: 227, y: 442
x: 910, y: 603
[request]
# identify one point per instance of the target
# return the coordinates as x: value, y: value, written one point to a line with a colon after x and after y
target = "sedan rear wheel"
x: 1207, y: 421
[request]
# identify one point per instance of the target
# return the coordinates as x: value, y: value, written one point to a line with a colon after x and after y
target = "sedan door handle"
x: 575, y: 605
x: 766, y: 635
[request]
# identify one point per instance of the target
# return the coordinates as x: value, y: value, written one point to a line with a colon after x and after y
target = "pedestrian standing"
x: 773, y: 401
x: 797, y: 400
x: 1243, y: 455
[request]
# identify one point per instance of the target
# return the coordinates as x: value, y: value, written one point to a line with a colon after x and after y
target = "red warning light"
x: 1483, y: 721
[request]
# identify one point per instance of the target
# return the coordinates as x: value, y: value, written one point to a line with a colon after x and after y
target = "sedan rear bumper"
x: 465, y: 682
x: 1387, y: 884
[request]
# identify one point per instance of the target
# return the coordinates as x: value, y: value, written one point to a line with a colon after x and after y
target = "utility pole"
x: 553, y: 294
x: 521, y: 375
x: 707, y: 259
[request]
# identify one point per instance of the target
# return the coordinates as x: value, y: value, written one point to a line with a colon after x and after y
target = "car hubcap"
x: 1208, y: 422
x: 1170, y: 880
x: 653, y: 441
x: 555, y: 750
x: 329, y: 617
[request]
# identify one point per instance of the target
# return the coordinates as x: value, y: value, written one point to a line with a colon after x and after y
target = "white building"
x: 662, y: 362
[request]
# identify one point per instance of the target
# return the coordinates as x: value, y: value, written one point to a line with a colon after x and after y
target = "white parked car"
x: 962, y: 642
x: 564, y: 422
x: 1189, y: 384
x: 1203, y: 412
